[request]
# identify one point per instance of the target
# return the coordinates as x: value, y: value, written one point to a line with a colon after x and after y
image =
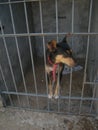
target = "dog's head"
x: 58, y: 55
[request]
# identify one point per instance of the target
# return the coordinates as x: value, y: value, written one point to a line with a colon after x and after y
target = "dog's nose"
x: 71, y: 62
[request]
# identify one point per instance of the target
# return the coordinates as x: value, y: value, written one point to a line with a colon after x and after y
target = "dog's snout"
x: 66, y: 60
x: 72, y: 63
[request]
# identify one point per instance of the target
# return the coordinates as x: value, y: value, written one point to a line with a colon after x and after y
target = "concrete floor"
x: 15, y: 119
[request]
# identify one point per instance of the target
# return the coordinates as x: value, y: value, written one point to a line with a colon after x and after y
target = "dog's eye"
x: 66, y: 54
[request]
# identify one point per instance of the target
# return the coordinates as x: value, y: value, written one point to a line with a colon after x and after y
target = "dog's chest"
x: 49, y: 69
x: 55, y: 68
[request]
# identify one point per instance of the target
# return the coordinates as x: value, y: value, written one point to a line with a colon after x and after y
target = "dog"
x: 57, y: 55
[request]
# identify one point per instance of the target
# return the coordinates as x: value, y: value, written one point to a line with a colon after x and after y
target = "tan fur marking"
x: 56, y: 93
x: 48, y: 69
x: 68, y: 61
x: 51, y: 45
x: 53, y: 42
x: 50, y: 90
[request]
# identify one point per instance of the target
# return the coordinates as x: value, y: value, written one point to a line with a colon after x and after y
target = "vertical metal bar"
x: 72, y: 25
x: 87, y: 52
x: 56, y: 8
x: 32, y: 61
x: 58, y: 78
x: 70, y: 88
x: 73, y: 6
x: 9, y: 62
x: 41, y: 20
x: 70, y: 85
x: 3, y: 77
x: 94, y: 92
x: 20, y: 62
x: 58, y: 85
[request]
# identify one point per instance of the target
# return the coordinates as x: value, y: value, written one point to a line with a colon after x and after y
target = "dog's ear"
x: 52, y: 45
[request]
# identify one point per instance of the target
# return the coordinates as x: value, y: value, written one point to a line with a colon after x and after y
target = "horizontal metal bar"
x: 44, y: 96
x: 16, y: 2
x: 91, y: 83
x: 44, y: 34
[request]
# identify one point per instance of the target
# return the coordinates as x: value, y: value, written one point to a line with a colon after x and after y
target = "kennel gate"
x: 69, y: 108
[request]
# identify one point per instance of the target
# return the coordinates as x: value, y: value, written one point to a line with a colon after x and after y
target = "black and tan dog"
x: 57, y: 54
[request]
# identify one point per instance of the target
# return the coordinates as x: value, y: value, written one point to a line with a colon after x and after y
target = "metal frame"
x: 42, y: 34
x: 87, y: 52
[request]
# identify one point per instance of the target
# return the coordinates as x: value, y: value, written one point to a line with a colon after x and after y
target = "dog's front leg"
x: 56, y: 93
x: 50, y: 95
x: 57, y: 89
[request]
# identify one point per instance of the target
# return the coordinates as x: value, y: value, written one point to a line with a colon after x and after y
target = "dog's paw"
x: 50, y: 96
x: 56, y: 96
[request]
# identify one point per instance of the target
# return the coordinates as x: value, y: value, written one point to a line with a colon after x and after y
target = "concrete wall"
x: 64, y: 22
x: 20, y: 26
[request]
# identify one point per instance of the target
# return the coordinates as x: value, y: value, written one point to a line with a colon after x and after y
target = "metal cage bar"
x: 47, y: 34
x: 32, y: 61
x: 56, y: 9
x: 93, y: 93
x: 20, y: 62
x: 70, y: 84
x: 87, y: 52
x: 21, y: 1
x: 57, y: 30
x: 42, y: 31
x: 45, y: 95
x: 15, y: 35
x: 3, y: 77
x: 9, y: 62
